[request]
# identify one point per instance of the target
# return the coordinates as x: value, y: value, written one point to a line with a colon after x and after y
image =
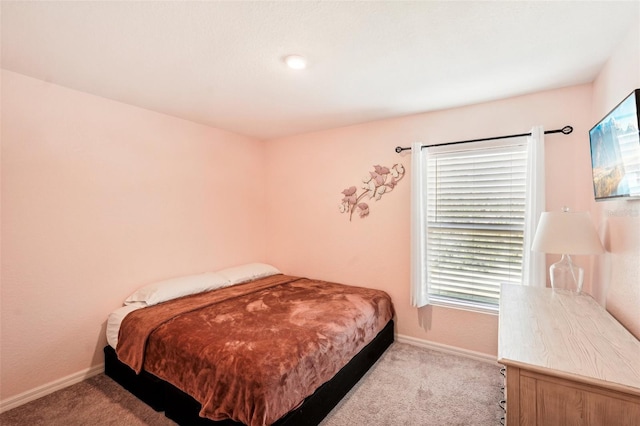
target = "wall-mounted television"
x: 615, y: 151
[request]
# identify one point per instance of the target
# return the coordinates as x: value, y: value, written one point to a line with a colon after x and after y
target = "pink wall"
x: 618, y: 271
x: 307, y: 235
x: 99, y: 198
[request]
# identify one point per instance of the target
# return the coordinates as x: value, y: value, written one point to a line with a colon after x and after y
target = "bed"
x: 256, y: 349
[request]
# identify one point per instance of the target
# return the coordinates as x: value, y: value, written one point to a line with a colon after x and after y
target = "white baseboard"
x: 46, y: 389
x: 478, y: 356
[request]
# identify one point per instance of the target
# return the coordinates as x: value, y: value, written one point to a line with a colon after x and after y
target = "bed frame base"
x: 183, y: 409
x: 147, y: 387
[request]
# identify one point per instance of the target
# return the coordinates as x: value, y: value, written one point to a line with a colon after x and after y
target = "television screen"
x: 615, y: 151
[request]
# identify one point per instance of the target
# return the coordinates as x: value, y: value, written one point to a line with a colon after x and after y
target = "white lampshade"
x: 566, y: 232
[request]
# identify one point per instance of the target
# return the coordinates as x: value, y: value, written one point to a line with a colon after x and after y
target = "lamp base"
x: 566, y: 276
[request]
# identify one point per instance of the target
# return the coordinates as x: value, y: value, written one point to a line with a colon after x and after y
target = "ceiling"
x: 220, y: 63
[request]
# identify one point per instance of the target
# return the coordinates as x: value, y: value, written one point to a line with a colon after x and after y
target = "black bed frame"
x: 183, y: 409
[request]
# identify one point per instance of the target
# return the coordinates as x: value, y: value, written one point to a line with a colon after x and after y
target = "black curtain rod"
x: 566, y: 130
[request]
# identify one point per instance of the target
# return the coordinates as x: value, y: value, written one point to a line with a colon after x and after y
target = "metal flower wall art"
x: 379, y: 182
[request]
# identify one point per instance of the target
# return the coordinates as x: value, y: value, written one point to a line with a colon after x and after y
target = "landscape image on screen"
x: 615, y: 153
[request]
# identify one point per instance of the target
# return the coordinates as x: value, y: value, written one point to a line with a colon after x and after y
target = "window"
x: 471, y: 205
x: 475, y: 203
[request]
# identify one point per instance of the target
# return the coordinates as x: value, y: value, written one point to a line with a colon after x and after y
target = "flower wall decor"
x: 379, y: 182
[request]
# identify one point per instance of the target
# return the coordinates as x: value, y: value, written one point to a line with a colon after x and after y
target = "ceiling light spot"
x: 295, y: 62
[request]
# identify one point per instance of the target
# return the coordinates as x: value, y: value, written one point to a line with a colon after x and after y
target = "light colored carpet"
x: 95, y: 401
x: 407, y: 386
x: 415, y: 386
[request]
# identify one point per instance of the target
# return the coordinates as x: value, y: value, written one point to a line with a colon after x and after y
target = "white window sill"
x: 446, y: 303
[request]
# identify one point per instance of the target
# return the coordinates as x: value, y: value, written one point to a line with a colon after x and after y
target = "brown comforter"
x: 254, y: 351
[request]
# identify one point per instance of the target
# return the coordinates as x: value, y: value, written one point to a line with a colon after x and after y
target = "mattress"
x: 114, y: 321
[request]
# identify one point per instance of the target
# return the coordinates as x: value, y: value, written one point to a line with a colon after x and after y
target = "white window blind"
x: 475, y: 218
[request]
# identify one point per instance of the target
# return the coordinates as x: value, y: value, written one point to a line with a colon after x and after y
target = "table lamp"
x: 566, y: 233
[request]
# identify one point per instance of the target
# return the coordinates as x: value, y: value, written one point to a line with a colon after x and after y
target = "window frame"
x: 517, y: 145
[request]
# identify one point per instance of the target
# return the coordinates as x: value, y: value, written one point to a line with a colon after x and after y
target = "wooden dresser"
x: 568, y: 361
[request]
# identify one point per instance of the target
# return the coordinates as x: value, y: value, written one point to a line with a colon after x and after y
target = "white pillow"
x: 162, y: 291
x: 248, y: 272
